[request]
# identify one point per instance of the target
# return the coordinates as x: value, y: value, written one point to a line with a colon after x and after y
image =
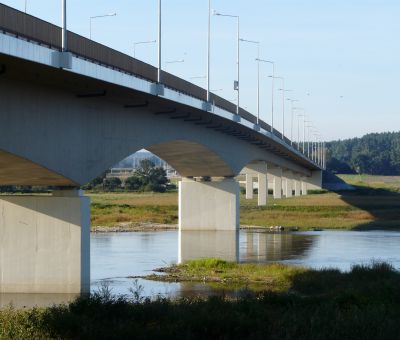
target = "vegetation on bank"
x: 326, y: 304
x: 375, y: 204
x: 374, y: 153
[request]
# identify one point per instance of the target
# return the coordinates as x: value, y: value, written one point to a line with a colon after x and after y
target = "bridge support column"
x: 288, y: 184
x: 315, y: 181
x: 303, y: 186
x: 262, y: 189
x: 45, y: 243
x: 209, y: 205
x: 297, y: 185
x: 249, y: 186
x: 277, y: 182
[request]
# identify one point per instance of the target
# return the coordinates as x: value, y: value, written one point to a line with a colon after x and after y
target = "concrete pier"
x: 277, y: 182
x: 208, y: 205
x: 45, y: 243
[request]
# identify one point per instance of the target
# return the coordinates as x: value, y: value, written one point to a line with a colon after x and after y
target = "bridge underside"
x: 19, y: 171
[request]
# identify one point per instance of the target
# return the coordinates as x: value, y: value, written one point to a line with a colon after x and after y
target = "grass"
x: 326, y: 304
x: 374, y: 205
x: 271, y: 277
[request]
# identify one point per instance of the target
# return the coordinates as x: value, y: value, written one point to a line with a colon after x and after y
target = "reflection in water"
x: 260, y: 246
x: 32, y: 300
x: 116, y: 256
x: 205, y: 244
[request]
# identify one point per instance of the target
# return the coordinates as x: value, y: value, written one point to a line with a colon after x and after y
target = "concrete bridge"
x: 67, y: 116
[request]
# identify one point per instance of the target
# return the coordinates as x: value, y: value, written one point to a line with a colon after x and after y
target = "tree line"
x: 374, y: 154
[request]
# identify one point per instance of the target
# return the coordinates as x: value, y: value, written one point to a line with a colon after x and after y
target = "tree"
x: 133, y: 183
x: 152, y: 178
x: 112, y: 183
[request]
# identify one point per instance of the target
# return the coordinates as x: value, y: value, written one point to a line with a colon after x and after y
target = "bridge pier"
x: 45, y: 243
x: 288, y: 184
x: 210, y: 205
x: 259, y: 170
x: 297, y: 185
x: 249, y: 186
x: 277, y: 181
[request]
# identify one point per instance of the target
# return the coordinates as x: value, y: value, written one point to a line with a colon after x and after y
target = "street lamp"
x: 159, y: 42
x: 291, y: 124
x: 141, y: 43
x: 298, y: 124
x: 26, y: 5
x: 96, y: 17
x: 258, y: 74
x: 273, y: 90
x: 236, y: 85
x: 64, y: 25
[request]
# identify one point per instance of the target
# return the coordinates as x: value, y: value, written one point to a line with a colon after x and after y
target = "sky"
x: 340, y: 58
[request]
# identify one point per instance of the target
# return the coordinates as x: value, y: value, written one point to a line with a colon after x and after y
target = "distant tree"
x: 374, y: 153
x: 112, y: 183
x: 133, y: 183
x: 152, y: 178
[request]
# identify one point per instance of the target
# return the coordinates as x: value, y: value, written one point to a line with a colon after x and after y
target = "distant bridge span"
x: 67, y: 117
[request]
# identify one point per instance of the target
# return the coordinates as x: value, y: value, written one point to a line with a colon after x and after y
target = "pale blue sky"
x: 325, y: 49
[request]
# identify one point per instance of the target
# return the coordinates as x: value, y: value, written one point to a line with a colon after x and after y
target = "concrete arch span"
x: 77, y: 138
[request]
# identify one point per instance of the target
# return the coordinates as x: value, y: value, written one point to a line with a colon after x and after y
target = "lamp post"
x: 96, y: 17
x: 291, y: 124
x: 64, y: 46
x: 26, y: 5
x: 273, y: 90
x: 208, y: 51
x: 298, y: 124
x: 283, y: 105
x: 236, y: 84
x: 159, y: 42
x: 258, y: 74
x: 141, y: 43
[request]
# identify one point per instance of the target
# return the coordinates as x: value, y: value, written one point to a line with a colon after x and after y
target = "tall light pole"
x: 236, y: 84
x: 208, y: 51
x: 96, y: 17
x: 273, y: 90
x: 26, y: 5
x: 298, y: 124
x: 159, y: 42
x: 64, y: 46
x: 141, y: 43
x: 283, y: 105
x: 258, y: 74
x: 291, y: 124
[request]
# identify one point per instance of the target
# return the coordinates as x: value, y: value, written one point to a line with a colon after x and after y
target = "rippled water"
x: 116, y: 256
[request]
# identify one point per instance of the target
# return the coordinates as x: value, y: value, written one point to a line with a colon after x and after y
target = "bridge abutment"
x: 212, y: 205
x: 45, y: 243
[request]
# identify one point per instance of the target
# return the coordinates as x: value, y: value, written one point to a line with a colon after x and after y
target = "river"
x: 117, y: 256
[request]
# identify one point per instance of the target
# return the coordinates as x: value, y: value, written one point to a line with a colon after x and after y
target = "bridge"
x: 70, y: 112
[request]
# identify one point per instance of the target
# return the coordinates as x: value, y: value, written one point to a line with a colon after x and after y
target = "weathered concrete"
x: 208, y: 205
x: 45, y: 243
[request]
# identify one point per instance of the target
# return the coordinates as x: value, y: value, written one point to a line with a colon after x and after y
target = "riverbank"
x: 308, y: 304
x: 375, y: 204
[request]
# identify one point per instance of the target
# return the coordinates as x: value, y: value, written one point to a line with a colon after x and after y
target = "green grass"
x: 374, y: 205
x: 327, y: 304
